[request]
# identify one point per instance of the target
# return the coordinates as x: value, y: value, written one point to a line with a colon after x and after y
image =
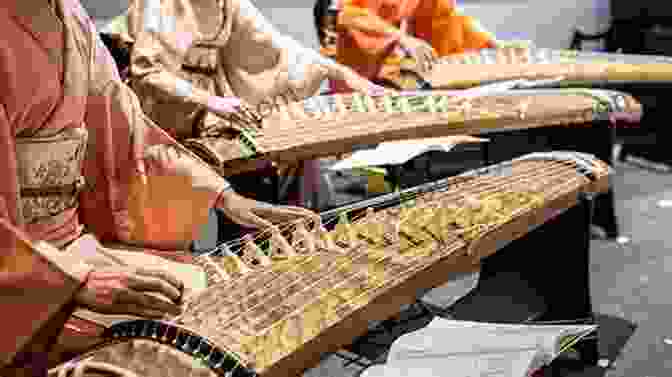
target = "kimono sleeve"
x: 163, y: 31
x: 37, y: 282
x: 157, y: 193
x: 260, y: 61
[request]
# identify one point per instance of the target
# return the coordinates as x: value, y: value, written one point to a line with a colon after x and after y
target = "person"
x: 194, y: 61
x: 378, y: 37
x: 325, y: 14
x: 84, y: 172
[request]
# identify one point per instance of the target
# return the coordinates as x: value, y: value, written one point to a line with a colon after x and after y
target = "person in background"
x: 84, y: 167
x: 194, y: 63
x: 377, y: 37
x: 325, y: 14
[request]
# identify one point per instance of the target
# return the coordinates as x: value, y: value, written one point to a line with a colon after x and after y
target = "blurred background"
x: 549, y: 23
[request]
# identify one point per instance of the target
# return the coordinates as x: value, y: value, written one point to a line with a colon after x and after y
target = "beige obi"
x: 50, y: 173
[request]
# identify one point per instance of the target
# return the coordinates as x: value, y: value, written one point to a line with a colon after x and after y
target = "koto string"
x: 497, y: 184
x: 552, y: 179
x: 469, y: 185
x: 407, y: 196
x: 569, y: 177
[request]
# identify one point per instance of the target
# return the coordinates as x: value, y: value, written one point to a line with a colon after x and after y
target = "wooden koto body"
x: 330, y: 125
x: 273, y: 313
x: 573, y: 67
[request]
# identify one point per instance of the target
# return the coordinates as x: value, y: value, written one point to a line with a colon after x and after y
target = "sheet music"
x: 490, y: 343
x: 396, y: 153
x: 512, y: 363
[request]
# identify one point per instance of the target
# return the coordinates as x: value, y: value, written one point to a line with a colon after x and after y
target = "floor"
x: 629, y: 282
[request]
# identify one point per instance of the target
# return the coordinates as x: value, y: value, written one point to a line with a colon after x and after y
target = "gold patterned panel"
x: 50, y: 172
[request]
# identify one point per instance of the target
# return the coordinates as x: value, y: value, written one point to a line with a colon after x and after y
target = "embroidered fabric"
x: 43, y: 171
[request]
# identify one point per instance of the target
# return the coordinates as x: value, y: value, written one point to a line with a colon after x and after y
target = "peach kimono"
x: 66, y: 118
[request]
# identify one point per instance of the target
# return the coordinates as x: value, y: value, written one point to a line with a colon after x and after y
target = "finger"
x: 430, y: 60
x: 422, y: 63
x: 429, y: 55
x: 285, y: 213
x: 163, y: 275
x: 149, y: 302
x: 435, y: 55
x: 153, y: 284
x: 251, y: 220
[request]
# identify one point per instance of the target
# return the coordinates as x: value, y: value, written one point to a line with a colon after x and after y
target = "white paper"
x: 395, y: 153
x: 458, y: 286
x: 514, y: 363
x: 442, y: 338
x: 444, y: 343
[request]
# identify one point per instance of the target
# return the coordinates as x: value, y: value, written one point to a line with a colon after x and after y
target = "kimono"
x: 78, y: 157
x: 187, y: 54
x: 379, y: 57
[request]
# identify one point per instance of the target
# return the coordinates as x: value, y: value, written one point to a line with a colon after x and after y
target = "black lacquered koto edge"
x: 220, y: 361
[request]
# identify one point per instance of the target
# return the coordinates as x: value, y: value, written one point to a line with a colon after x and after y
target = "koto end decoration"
x: 329, y: 125
x: 279, y: 299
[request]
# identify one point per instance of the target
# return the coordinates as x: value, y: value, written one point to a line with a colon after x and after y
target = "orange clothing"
x: 364, y: 51
x: 448, y: 30
x: 375, y: 55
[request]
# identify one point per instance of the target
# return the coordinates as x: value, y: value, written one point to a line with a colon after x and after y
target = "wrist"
x: 70, y: 263
x: 225, y: 195
x: 337, y: 72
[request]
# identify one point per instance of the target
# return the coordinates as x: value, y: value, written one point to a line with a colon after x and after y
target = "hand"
x: 131, y: 291
x: 255, y: 214
x: 421, y: 51
x: 376, y: 90
x: 362, y: 85
x: 224, y: 105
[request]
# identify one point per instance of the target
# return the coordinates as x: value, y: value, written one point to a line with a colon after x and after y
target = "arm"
x: 163, y: 31
x: 157, y: 192
x: 294, y: 65
x: 373, y: 36
x: 361, y: 19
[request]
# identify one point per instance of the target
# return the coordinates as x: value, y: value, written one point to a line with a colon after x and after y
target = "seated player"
x: 81, y: 160
x: 325, y: 13
x: 379, y: 37
x: 193, y: 63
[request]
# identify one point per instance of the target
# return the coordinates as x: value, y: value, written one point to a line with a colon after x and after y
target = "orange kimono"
x: 74, y: 145
x: 376, y: 55
x: 448, y: 30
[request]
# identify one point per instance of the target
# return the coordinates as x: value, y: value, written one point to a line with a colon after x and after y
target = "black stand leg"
x: 541, y: 277
x: 485, y: 148
x: 597, y: 139
x: 566, y: 286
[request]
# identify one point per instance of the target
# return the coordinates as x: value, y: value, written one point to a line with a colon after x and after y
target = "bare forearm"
x: 172, y: 86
